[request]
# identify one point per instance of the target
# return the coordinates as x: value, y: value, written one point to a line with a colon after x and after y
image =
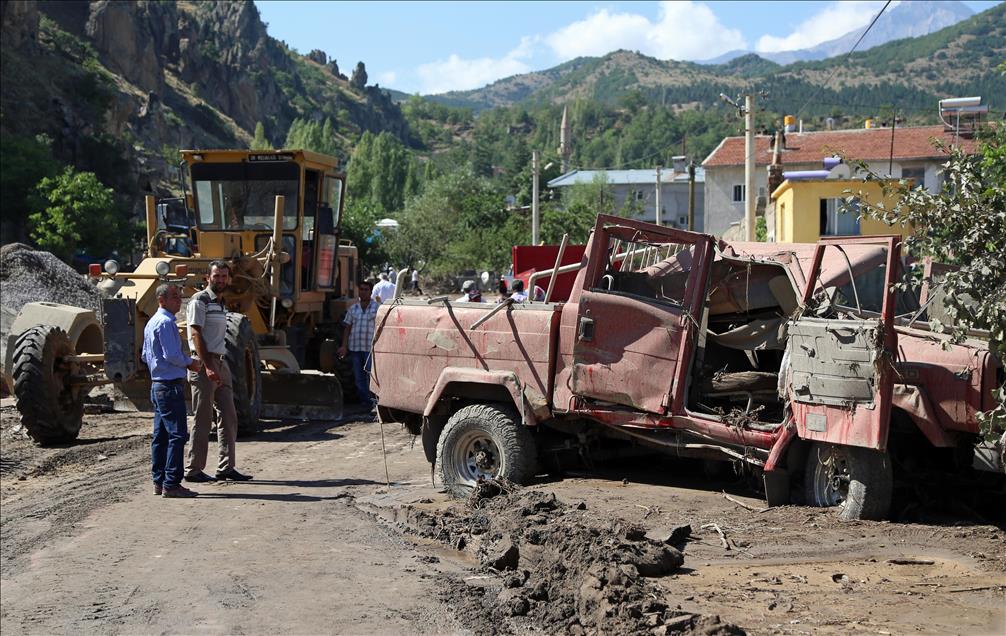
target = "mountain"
x: 905, y: 20
x: 117, y: 88
x: 910, y: 73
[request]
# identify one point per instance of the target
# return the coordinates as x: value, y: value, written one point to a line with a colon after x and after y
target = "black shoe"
x: 199, y: 478
x: 232, y: 475
x: 179, y: 492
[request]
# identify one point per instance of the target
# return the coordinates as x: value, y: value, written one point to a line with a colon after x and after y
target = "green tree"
x: 382, y: 172
x: 457, y: 222
x: 79, y: 213
x: 26, y: 161
x: 314, y: 136
x: 260, y: 142
x: 962, y: 224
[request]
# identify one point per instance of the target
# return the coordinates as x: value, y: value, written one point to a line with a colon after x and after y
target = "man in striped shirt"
x: 207, y: 319
x: 357, y: 338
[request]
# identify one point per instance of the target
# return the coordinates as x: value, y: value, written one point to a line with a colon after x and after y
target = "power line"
x: 847, y: 56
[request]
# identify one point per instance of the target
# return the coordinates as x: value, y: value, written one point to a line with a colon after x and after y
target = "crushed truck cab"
x: 797, y: 363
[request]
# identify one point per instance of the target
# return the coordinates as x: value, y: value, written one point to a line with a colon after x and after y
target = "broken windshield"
x: 854, y: 280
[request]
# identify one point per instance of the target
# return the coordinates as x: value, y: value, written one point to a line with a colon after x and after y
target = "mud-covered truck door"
x: 839, y: 372
x: 642, y: 290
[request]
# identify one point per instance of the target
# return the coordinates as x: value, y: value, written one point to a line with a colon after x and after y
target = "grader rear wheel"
x: 51, y: 408
x: 246, y: 371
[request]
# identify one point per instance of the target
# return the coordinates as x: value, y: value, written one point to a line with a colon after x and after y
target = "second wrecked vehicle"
x: 798, y: 363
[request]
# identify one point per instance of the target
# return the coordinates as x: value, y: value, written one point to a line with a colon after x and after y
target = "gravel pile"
x: 27, y: 276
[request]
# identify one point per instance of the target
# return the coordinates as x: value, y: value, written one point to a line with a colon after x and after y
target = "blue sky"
x: 433, y: 47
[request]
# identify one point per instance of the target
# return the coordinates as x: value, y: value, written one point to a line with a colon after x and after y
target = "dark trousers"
x: 361, y: 374
x: 167, y: 449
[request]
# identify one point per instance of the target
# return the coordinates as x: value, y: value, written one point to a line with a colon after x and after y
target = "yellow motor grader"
x: 274, y: 216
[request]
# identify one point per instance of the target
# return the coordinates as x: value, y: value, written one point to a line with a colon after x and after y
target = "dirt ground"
x: 318, y: 543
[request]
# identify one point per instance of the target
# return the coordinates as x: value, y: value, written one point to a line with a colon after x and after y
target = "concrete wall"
x: 673, y: 201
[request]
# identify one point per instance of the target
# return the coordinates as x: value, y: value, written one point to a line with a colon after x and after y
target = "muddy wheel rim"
x: 831, y: 483
x: 477, y: 457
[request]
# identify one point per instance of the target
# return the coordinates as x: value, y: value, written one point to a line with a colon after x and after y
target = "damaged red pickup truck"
x: 798, y: 363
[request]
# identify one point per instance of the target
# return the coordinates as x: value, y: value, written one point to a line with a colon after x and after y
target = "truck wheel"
x: 51, y: 409
x: 484, y: 441
x: 246, y: 371
x: 859, y: 481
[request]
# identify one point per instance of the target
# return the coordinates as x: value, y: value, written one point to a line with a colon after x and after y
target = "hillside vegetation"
x: 116, y: 89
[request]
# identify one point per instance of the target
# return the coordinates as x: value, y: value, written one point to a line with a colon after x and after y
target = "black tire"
x: 344, y: 370
x: 246, y: 371
x: 484, y: 441
x: 51, y: 409
x: 859, y: 481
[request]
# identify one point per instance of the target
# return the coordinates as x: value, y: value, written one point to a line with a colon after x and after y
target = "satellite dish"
x: 485, y: 278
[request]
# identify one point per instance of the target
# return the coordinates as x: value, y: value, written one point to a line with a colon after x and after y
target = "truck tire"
x: 51, y: 409
x: 859, y: 481
x: 484, y: 441
x: 246, y: 371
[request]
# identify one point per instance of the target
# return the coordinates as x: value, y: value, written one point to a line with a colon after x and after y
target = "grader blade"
x: 305, y: 395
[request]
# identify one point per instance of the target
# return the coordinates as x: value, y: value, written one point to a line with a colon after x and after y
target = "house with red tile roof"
x: 906, y: 153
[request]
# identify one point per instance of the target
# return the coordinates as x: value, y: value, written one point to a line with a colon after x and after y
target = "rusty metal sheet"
x: 630, y: 362
x: 415, y: 341
x: 951, y: 375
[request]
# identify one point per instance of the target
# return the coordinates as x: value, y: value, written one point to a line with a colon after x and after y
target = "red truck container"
x: 799, y: 363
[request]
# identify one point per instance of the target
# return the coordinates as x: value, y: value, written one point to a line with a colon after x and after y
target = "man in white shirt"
x: 518, y: 295
x: 384, y: 290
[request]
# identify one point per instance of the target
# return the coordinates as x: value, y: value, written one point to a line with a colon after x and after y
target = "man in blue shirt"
x: 163, y: 355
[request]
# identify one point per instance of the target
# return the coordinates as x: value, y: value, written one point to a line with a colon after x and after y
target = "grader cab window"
x: 242, y: 196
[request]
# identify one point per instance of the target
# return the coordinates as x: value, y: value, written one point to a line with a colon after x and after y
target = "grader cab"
x: 274, y: 216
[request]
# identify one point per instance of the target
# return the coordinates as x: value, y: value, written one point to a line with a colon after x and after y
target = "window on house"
x: 638, y: 195
x: 738, y: 193
x: 916, y: 175
x: 839, y: 217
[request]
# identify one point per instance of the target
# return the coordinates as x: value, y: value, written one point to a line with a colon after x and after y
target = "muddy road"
x: 318, y: 543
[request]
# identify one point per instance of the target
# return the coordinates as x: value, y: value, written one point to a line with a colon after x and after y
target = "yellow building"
x: 807, y: 209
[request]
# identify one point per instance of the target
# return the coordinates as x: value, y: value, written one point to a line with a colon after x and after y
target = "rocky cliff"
x: 119, y: 87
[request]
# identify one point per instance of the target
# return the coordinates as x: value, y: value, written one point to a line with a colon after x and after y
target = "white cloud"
x: 836, y: 19
x: 458, y: 74
x: 387, y: 78
x: 682, y: 31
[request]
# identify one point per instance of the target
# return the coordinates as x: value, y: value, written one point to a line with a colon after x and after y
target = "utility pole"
x: 691, y: 196
x: 658, y: 218
x: 535, y: 213
x: 749, y: 168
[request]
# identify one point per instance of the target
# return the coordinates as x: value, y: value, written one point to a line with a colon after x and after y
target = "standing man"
x: 163, y: 355
x: 384, y: 290
x: 415, y: 282
x: 357, y: 338
x: 207, y: 318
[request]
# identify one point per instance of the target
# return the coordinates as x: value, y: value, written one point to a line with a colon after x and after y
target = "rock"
x: 658, y: 560
x: 675, y: 536
x: 634, y: 533
x: 318, y: 56
x: 503, y: 556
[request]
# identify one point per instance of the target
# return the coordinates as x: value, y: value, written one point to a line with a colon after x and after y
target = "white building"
x: 641, y: 186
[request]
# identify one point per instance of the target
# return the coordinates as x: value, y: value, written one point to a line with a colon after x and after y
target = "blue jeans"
x: 361, y: 374
x: 167, y: 449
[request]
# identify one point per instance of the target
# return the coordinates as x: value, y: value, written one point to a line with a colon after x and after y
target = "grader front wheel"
x: 51, y: 408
